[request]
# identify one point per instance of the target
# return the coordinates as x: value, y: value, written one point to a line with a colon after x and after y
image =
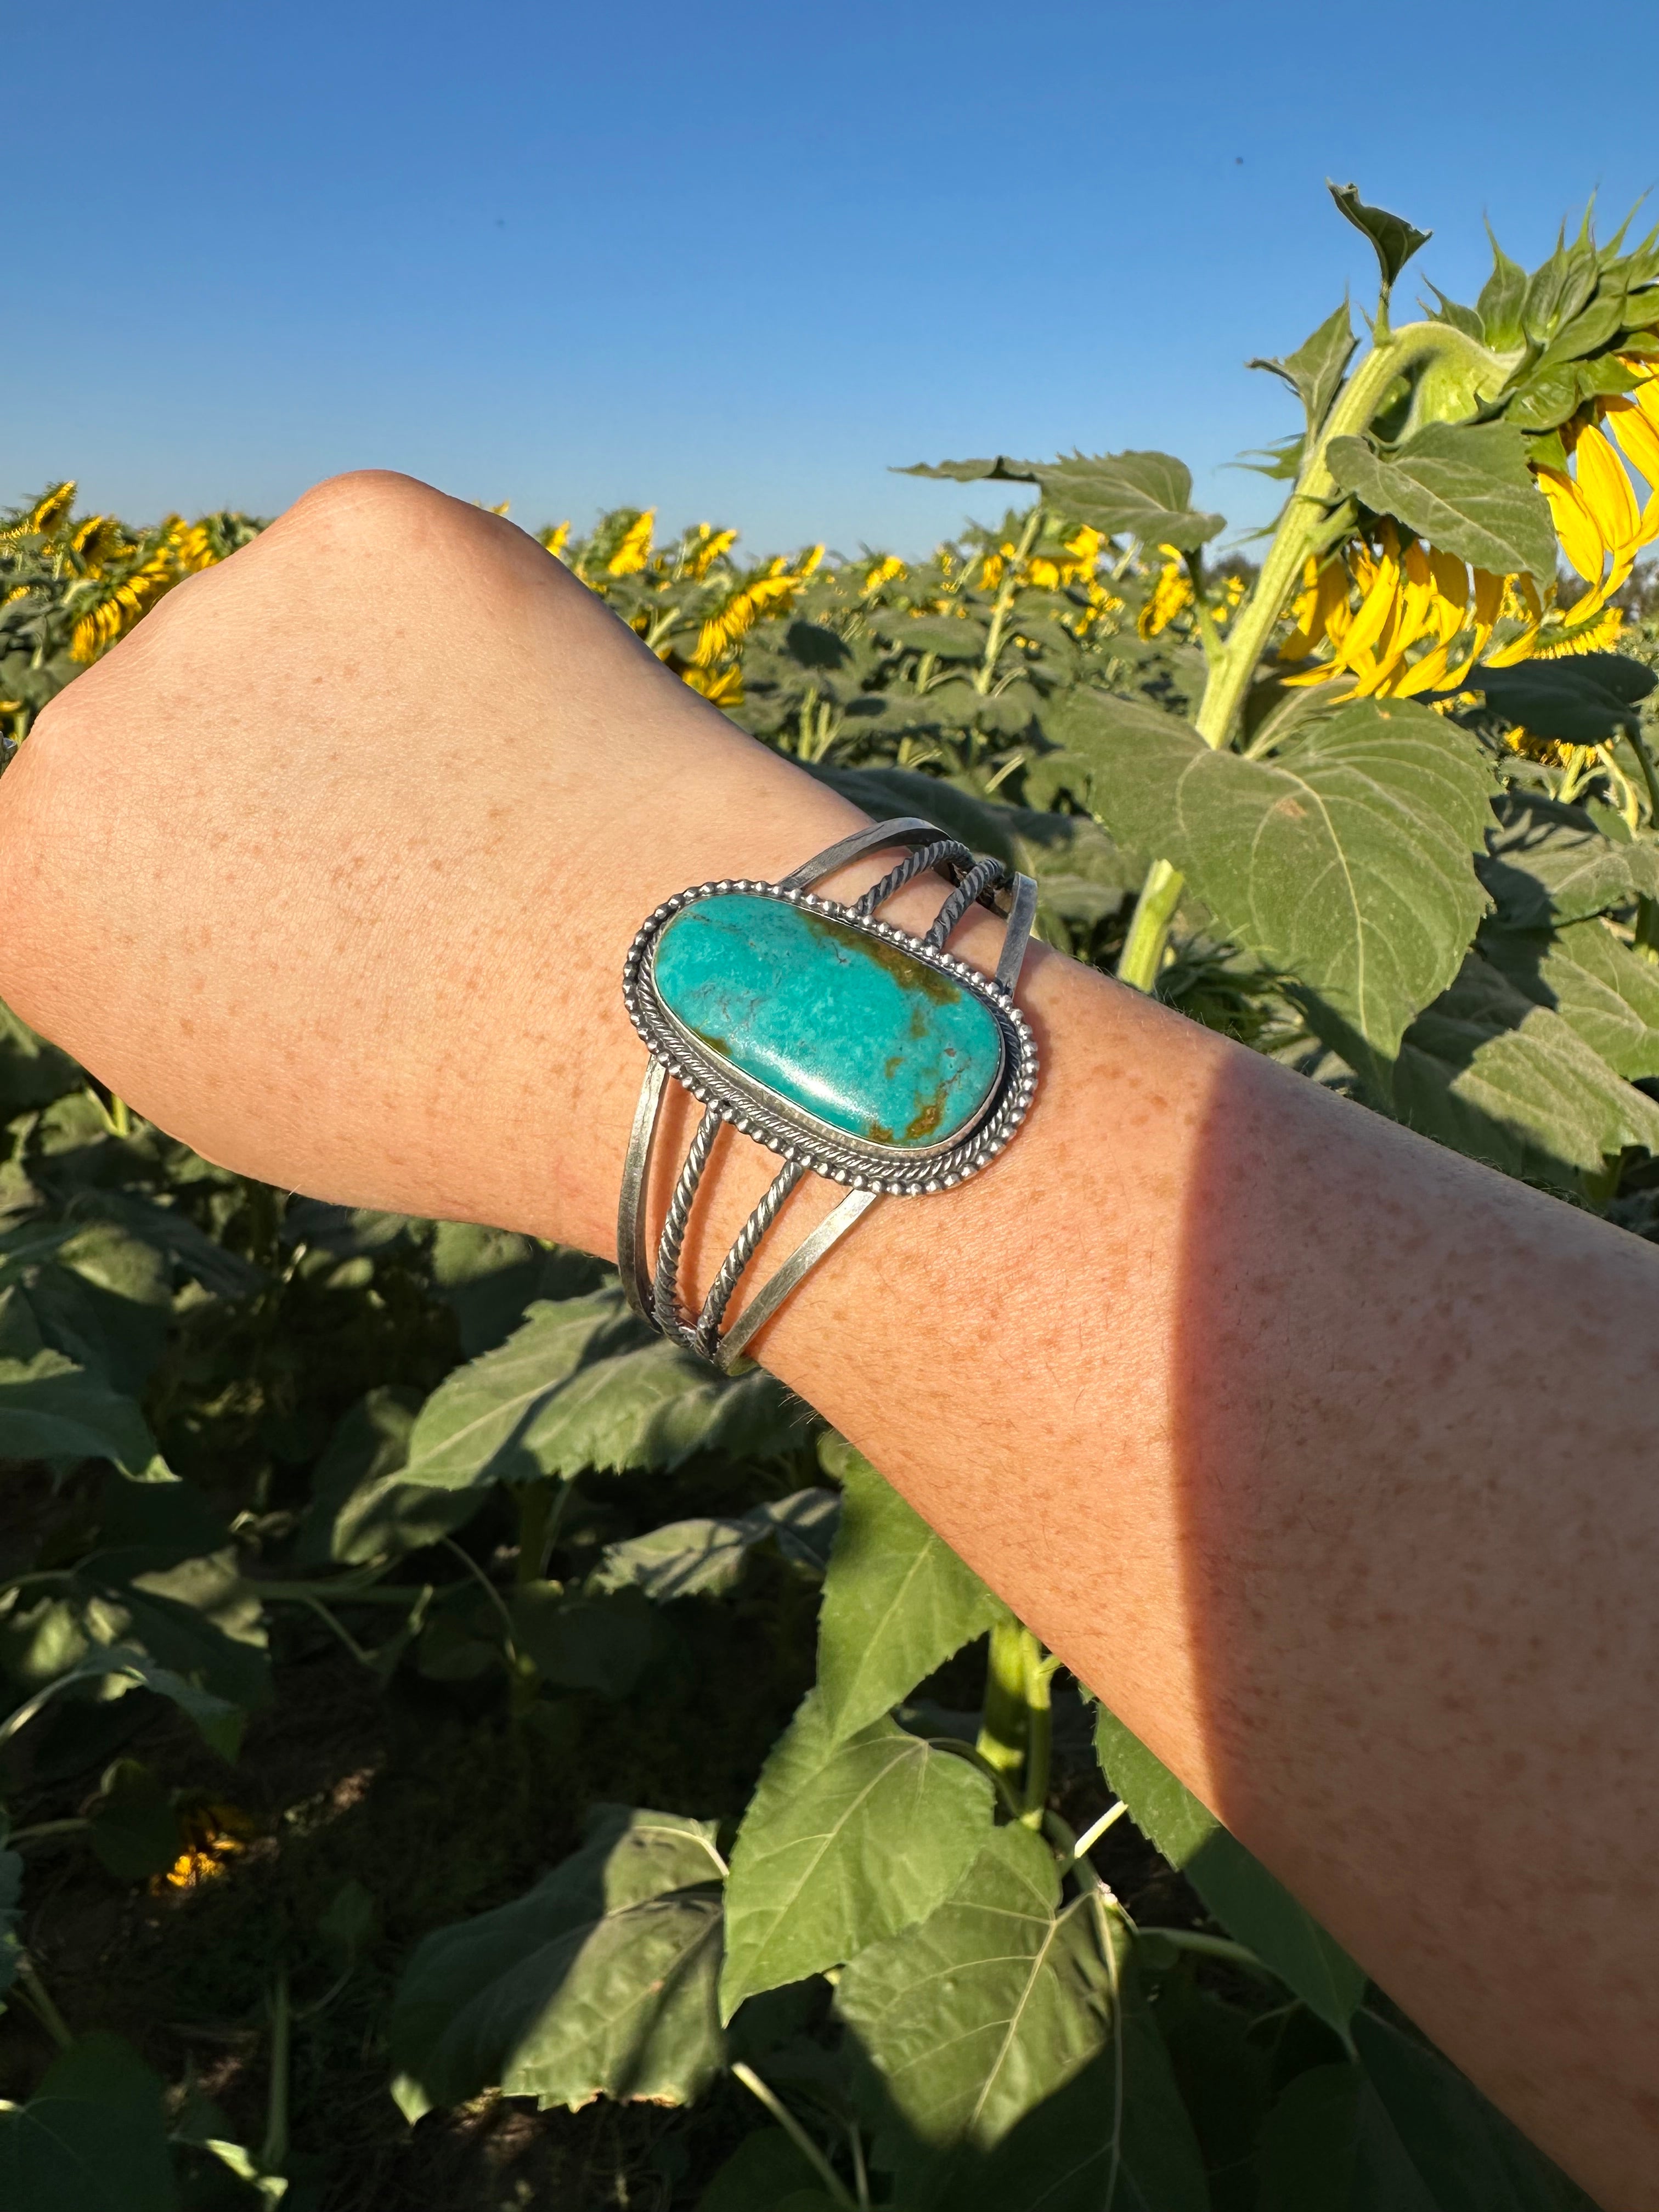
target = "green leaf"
x: 950, y: 637
x: 1315, y: 371
x: 1502, y: 298
x: 1253, y: 1907
x: 967, y: 2021
x: 1401, y: 2129
x: 1000, y: 471
x: 1606, y: 994
x: 1464, y: 486
x: 201, y: 1619
x: 1587, y: 700
x: 487, y: 1277
x: 583, y: 1385
x: 361, y: 1509
x: 1547, y: 863
x: 762, y: 2174
x: 845, y: 1841
x: 1394, y: 239
x: 706, y: 1556
x: 601, y: 1981
x: 1472, y: 2157
x: 1346, y: 862
x: 1147, y: 495
x: 135, y: 1830
x: 1494, y: 1074
x: 1118, y: 2133
x: 1074, y: 864
x: 91, y: 2139
x: 603, y: 1644
x: 897, y: 1600
x: 51, y: 1409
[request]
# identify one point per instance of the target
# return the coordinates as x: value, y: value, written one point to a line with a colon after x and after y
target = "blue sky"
x: 735, y: 261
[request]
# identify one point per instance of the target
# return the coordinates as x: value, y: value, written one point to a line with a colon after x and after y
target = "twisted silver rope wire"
x: 664, y: 1296
x: 978, y: 880
x: 706, y: 1331
x: 914, y: 863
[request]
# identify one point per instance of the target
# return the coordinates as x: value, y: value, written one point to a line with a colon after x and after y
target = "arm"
x: 329, y: 869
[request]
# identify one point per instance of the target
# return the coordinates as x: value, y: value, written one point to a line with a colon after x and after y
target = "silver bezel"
x: 897, y: 1171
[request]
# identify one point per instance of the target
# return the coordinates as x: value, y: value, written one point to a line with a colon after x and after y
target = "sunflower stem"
x: 1003, y: 604
x: 1305, y: 528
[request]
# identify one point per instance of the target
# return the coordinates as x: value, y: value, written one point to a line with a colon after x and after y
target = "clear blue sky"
x: 732, y: 261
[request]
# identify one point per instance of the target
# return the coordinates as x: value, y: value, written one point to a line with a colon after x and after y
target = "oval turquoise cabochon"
x: 850, y: 1028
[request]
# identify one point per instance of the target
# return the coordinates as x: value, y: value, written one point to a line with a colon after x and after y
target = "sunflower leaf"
x: 1143, y: 495
x: 1548, y: 864
x: 845, y: 1842
x: 1604, y: 992
x: 968, y: 2021
x: 1346, y: 862
x: 1587, y: 700
x: 1393, y: 239
x: 1464, y: 486
x: 897, y: 1600
x: 1314, y: 372
x: 600, y: 1981
x: 1497, y: 1075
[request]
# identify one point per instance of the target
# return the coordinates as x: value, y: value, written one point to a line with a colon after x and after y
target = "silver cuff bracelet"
x: 842, y: 1043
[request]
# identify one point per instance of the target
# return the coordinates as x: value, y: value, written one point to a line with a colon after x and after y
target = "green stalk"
x: 791, y: 2127
x: 34, y: 1990
x: 1005, y: 1722
x: 1305, y: 528
x: 1644, y: 760
x: 1039, y: 1733
x: 1002, y: 606
x: 274, y: 2152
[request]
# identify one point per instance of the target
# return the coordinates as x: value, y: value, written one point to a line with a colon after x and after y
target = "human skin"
x: 1323, y: 1455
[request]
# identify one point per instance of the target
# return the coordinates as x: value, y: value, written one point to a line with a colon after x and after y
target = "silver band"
x: 651, y: 1280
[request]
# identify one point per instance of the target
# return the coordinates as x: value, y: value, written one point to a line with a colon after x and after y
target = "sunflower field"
x: 455, y: 1751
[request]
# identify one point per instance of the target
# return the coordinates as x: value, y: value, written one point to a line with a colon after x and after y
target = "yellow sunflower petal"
x: 1575, y: 525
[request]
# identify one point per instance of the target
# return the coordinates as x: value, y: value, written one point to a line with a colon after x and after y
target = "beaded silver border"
x: 895, y: 1171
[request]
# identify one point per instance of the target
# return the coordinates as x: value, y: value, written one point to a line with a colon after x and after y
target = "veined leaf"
x: 1464, y: 486
x: 845, y: 1841
x: 1496, y: 1075
x: 706, y: 1556
x: 1347, y: 862
x: 361, y: 1509
x: 600, y: 1982
x: 51, y: 1409
x: 1314, y: 372
x: 582, y: 1385
x: 1586, y: 700
x: 1145, y: 494
x: 967, y: 2021
x: 91, y: 2139
x: 1117, y: 2135
x: 1606, y: 994
x: 1546, y: 863
x: 1393, y: 239
x: 1253, y: 1907
x: 897, y: 1602
x: 579, y: 1643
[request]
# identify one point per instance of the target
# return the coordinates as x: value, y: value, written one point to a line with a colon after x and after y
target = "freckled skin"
x: 1221, y: 1382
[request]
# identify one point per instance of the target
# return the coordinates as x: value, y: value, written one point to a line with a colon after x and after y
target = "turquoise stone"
x: 849, y: 1027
